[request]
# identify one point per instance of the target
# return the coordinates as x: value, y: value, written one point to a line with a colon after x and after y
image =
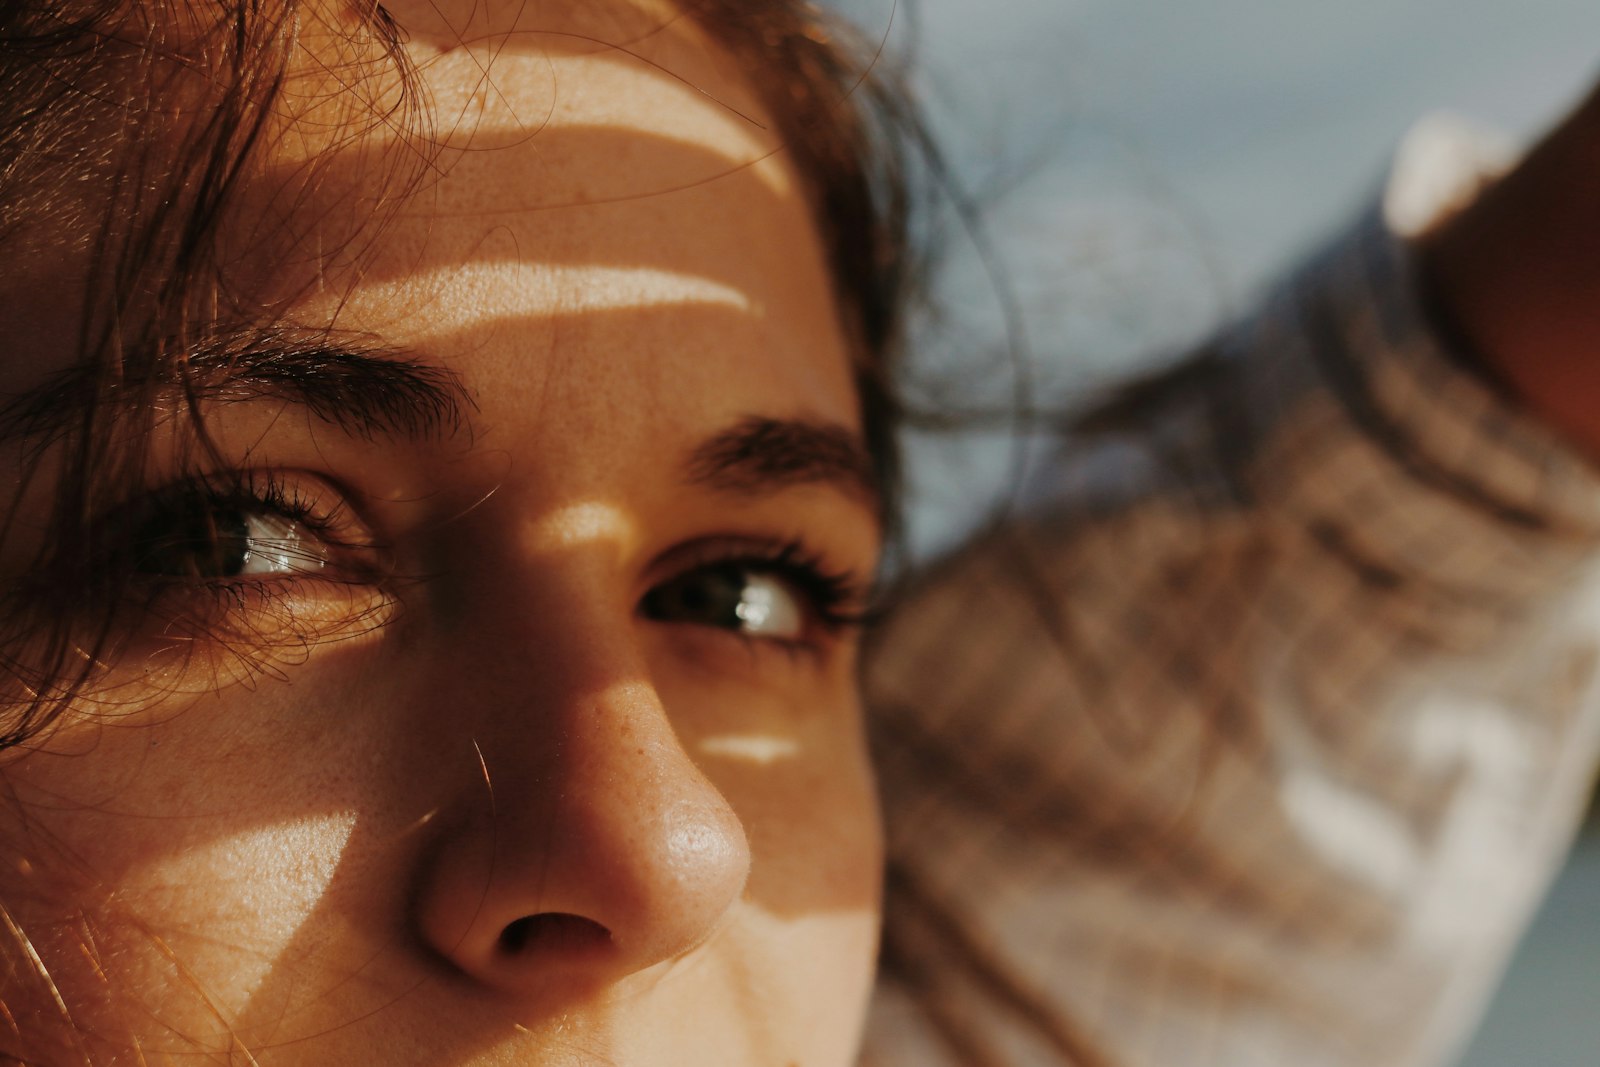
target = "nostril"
x: 552, y: 932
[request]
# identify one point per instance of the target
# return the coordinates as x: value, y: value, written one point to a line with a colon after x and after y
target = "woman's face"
x: 527, y: 736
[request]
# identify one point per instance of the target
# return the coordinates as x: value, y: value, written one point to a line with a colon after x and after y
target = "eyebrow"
x: 761, y: 455
x: 369, y: 390
x: 363, y: 388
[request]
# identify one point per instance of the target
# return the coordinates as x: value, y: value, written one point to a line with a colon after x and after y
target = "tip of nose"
x: 552, y: 933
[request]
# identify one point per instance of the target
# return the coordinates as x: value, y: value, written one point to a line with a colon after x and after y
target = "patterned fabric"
x: 1254, y: 738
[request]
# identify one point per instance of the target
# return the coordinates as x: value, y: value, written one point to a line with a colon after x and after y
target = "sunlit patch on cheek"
x: 805, y: 977
x: 201, y: 642
x: 829, y: 968
x: 759, y: 749
x: 235, y: 909
x: 168, y: 933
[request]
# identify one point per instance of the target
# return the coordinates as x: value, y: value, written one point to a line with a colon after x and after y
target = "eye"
x: 730, y: 596
x: 197, y: 537
x: 774, y: 591
x: 243, y: 561
x: 254, y: 525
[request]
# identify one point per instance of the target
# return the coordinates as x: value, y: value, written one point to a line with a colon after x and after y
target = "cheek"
x: 800, y: 985
x: 813, y: 826
x: 270, y: 846
x: 797, y: 773
x: 166, y: 866
x: 792, y: 762
x: 149, y: 923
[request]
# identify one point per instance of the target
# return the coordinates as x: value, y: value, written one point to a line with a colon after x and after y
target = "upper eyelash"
x: 253, y: 489
x: 266, y: 490
x: 830, y: 593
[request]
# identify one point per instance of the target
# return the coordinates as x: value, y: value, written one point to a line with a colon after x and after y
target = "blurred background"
x: 1143, y: 168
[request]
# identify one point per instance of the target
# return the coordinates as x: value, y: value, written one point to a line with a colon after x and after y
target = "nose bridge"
x: 547, y: 653
x: 546, y: 616
x: 584, y: 844
x: 564, y: 647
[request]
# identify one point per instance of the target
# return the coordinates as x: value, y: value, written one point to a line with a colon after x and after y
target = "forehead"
x: 604, y: 202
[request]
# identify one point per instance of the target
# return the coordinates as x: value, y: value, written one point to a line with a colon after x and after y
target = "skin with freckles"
x: 534, y: 737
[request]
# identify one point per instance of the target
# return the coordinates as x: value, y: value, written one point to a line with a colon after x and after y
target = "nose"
x: 584, y: 846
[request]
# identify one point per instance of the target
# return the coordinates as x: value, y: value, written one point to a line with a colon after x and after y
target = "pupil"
x: 194, y: 540
x: 710, y: 596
